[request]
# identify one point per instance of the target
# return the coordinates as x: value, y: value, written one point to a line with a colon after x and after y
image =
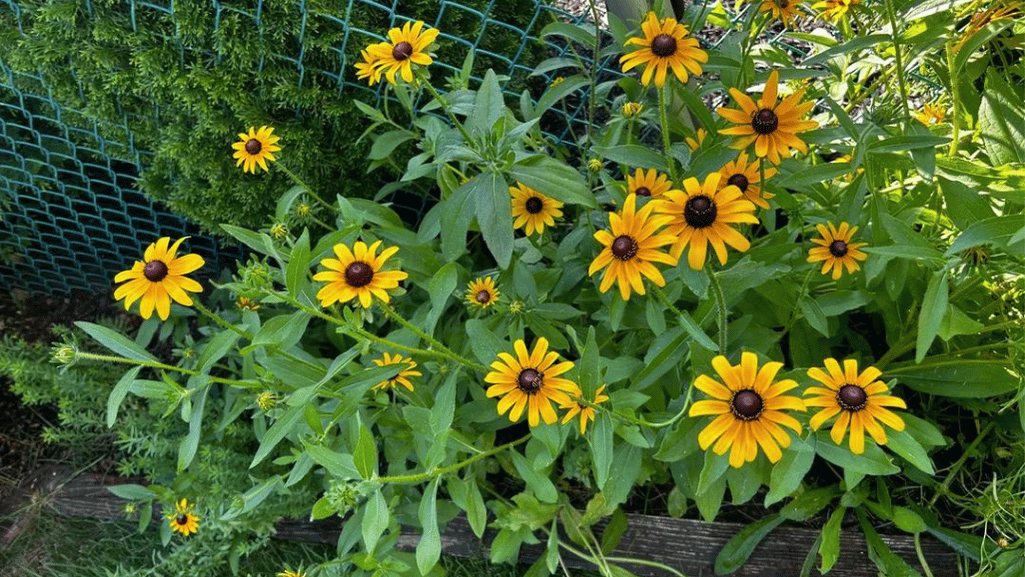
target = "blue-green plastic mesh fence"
x: 71, y: 215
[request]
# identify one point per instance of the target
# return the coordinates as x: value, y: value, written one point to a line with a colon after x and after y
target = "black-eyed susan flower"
x: 745, y: 176
x: 861, y: 400
x: 289, y: 573
x: 407, y: 46
x: 357, y: 273
x: 749, y: 409
x: 632, y: 109
x: 996, y: 11
x: 833, y: 10
x: 665, y: 46
x: 368, y: 68
x: 701, y: 215
x: 586, y: 413
x: 159, y: 278
x: 533, y: 210
x: 530, y: 382
x: 256, y: 147
x: 651, y: 183
x: 772, y: 127
x: 482, y: 292
x: 246, y: 304
x: 403, y: 377
x: 931, y: 114
x: 836, y: 250
x: 693, y: 143
x: 630, y: 247
x: 182, y: 519
x: 785, y: 10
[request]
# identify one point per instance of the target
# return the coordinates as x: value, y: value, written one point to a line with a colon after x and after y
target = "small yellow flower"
x: 482, y: 292
x: 785, y: 10
x: 586, y: 413
x: 859, y: 399
x: 558, y: 80
x: 256, y: 147
x: 665, y: 46
x: 246, y: 304
x: 931, y: 114
x: 748, y: 178
x: 836, y: 249
x: 595, y: 165
x: 403, y: 377
x: 279, y: 231
x: 303, y: 210
x: 368, y: 69
x: 160, y: 279
x: 694, y: 143
x: 833, y: 10
x: 357, y: 273
x: 289, y: 573
x: 266, y: 400
x: 630, y: 247
x: 182, y: 519
x: 533, y: 210
x: 651, y: 183
x: 632, y: 109
x: 408, y: 46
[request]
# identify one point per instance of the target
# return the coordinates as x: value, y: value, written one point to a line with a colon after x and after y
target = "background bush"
x: 185, y: 81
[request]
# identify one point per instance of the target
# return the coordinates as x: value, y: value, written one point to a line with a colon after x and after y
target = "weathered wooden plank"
x: 688, y: 546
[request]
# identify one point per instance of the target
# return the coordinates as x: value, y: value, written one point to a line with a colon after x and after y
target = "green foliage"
x: 179, y: 82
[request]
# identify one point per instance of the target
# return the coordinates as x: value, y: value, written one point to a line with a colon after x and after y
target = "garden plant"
x: 778, y: 267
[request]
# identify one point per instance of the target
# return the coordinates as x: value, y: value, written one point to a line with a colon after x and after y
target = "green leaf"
x: 340, y: 465
x: 281, y: 427
x: 494, y: 214
x: 476, y: 512
x: 254, y: 240
x: 456, y: 216
x: 387, y: 142
x: 663, y: 355
x: 283, y: 331
x: 116, y: 342
x: 284, y: 205
x: 553, y: 178
x: 858, y: 43
x: 578, y: 34
x: 695, y: 332
x: 814, y: 315
x: 537, y: 481
x: 190, y: 444
x: 443, y: 283
x: 428, y: 550
x: 996, y: 231
x: 488, y: 105
x: 118, y: 394
x: 713, y: 470
x: 737, y: 550
x: 889, y: 563
x: 934, y: 306
x: 364, y: 457
x: 872, y: 462
x: 632, y: 155
x: 614, y: 531
x: 132, y: 492
x: 808, y: 504
x: 788, y: 473
x: 967, y: 379
x: 829, y: 548
x: 907, y: 520
x: 902, y: 443
x: 901, y: 143
x: 485, y: 344
x: 375, y: 520
x: 298, y: 264
x: 964, y: 543
x: 1002, y: 119
x: 215, y: 349
x: 559, y: 91
x: 907, y: 252
x: 964, y: 205
x: 816, y: 175
x: 600, y: 442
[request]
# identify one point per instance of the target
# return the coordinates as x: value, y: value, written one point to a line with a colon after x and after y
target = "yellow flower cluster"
x: 406, y: 46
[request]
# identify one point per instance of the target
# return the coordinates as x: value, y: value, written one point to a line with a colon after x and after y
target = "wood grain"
x: 689, y: 546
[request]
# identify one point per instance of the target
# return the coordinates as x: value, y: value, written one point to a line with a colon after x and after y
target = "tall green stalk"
x: 898, y: 58
x: 666, y: 144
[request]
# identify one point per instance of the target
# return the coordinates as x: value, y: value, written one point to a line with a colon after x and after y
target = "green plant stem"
x: 162, y: 366
x: 899, y: 59
x: 800, y: 295
x: 945, y: 485
x: 444, y: 106
x: 663, y: 115
x: 861, y: 96
x: 907, y: 342
x: 299, y: 182
x: 921, y: 555
x: 955, y: 94
x: 720, y: 301
x: 357, y: 331
x: 429, y: 339
x: 436, y: 472
x: 646, y: 563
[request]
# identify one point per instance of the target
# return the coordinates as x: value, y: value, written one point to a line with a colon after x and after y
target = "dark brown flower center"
x: 155, y: 271
x: 530, y: 381
x: 182, y: 519
x: 358, y: 274
x: 838, y: 248
x: 851, y: 397
x: 784, y: 3
x: 534, y: 205
x: 746, y: 405
x: 739, y: 181
x: 483, y: 297
x: 402, y: 51
x: 642, y: 191
x: 253, y: 146
x: 624, y: 247
x: 663, y: 45
x: 765, y: 121
x: 699, y: 211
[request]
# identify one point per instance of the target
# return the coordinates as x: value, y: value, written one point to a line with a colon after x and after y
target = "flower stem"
x: 444, y: 106
x: 428, y: 475
x: 945, y: 485
x: 162, y: 366
x: 955, y: 93
x: 305, y: 187
x: 921, y: 555
x: 898, y: 59
x: 666, y: 145
x: 721, y: 303
x: 429, y: 339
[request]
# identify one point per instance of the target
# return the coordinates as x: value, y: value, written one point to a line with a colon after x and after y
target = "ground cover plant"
x: 787, y: 267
